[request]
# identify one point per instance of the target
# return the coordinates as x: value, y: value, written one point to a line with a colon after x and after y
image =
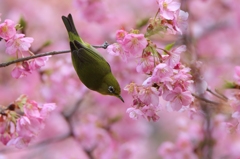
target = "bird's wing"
x: 85, y: 54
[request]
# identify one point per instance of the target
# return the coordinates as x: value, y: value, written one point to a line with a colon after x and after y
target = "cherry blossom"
x: 134, y: 43
x: 18, y: 43
x: 19, y: 129
x: 180, y: 21
x: 7, y: 29
x: 120, y: 35
x: 167, y: 8
x: 134, y: 113
x: 178, y: 98
x: 174, y: 56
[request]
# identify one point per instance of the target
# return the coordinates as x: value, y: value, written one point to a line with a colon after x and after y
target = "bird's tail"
x: 72, y: 32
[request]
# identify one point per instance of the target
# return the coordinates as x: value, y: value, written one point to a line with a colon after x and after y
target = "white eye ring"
x: 111, y: 89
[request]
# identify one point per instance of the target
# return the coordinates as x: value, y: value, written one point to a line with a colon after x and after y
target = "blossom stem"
x: 165, y: 51
x: 104, y: 46
x: 156, y: 14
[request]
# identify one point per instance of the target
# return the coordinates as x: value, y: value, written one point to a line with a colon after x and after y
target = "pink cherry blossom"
x: 132, y: 88
x: 19, y: 142
x: 149, y: 95
x: 134, y: 113
x: 46, y: 109
x: 18, y: 42
x: 28, y: 126
x: 38, y: 62
x: 31, y: 109
x: 19, y: 129
x: 150, y: 112
x: 117, y: 50
x: 174, y: 56
x: 134, y: 44
x: 180, y: 21
x: 145, y: 64
x: 18, y: 71
x: 162, y: 73
x: 7, y: 29
x: 148, y: 82
x: 120, y: 35
x: 178, y: 98
x: 168, y: 8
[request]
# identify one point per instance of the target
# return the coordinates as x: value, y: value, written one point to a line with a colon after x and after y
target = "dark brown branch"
x: 32, y: 57
x: 104, y: 46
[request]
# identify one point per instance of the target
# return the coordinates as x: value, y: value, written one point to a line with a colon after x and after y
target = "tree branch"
x: 217, y: 95
x: 104, y: 46
x: 205, y: 100
x: 34, y: 56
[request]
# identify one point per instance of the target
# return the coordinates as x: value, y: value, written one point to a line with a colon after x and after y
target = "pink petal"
x: 186, y: 98
x: 16, y: 73
x: 174, y: 6
x: 180, y: 49
x: 167, y: 14
x: 170, y: 96
x: 176, y: 104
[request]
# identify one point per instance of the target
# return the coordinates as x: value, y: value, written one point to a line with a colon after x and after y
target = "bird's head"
x: 111, y: 87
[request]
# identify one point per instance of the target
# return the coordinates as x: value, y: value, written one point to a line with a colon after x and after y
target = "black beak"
x: 120, y: 97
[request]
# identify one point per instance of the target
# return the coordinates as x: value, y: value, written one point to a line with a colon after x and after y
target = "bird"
x: 91, y: 67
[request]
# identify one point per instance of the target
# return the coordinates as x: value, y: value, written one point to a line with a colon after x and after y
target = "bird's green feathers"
x: 92, y: 69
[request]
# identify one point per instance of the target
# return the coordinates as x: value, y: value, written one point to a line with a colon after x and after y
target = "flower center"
x: 4, y: 29
x: 165, y: 5
x: 135, y: 41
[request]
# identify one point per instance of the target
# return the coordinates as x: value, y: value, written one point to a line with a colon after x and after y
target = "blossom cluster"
x: 17, y: 44
x: 168, y: 78
x: 172, y: 17
x: 129, y: 44
x: 22, y: 120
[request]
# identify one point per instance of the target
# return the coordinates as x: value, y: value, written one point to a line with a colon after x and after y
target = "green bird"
x: 92, y: 69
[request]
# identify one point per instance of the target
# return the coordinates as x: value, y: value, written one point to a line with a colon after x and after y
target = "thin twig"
x: 215, y: 94
x: 104, y: 46
x: 34, y: 56
x: 216, y: 90
x: 205, y: 100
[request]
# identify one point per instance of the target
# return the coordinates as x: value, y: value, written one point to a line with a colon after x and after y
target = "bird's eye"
x: 111, y: 89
